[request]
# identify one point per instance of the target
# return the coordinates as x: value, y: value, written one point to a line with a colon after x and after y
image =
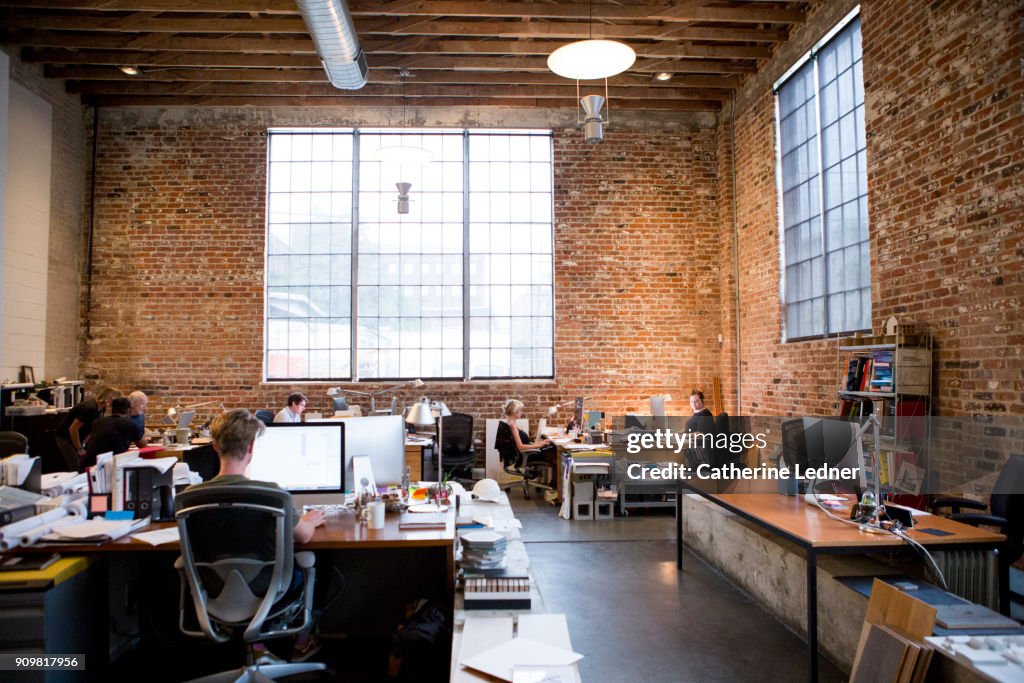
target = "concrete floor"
x: 636, y: 618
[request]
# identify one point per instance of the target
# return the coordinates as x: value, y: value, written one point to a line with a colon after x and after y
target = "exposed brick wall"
x: 178, y: 284
x: 944, y: 95
x: 68, y: 173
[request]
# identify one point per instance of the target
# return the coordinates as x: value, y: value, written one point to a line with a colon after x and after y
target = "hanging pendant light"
x: 593, y: 58
x: 587, y: 60
x: 404, y: 155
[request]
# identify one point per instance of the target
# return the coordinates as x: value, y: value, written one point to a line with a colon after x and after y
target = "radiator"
x: 971, y: 574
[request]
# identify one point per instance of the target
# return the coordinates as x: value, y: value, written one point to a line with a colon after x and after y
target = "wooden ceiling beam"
x: 442, y: 8
x: 377, y: 76
x: 565, y: 31
x: 412, y: 91
x: 380, y: 61
x: 360, y: 102
x: 304, y: 46
x: 149, y: 24
x: 183, y: 59
x: 213, y: 6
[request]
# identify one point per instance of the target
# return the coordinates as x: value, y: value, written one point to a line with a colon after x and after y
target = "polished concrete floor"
x: 636, y: 618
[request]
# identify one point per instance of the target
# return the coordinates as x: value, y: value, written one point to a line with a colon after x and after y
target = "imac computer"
x: 832, y: 443
x: 382, y: 438
x: 307, y: 460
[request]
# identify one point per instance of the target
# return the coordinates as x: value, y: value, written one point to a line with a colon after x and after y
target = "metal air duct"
x: 330, y: 25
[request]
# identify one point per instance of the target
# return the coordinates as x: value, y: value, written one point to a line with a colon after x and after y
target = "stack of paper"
x: 482, y: 550
x: 96, y: 531
x: 504, y: 660
x: 16, y: 468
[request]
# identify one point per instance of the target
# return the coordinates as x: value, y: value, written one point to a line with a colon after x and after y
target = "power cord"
x: 896, y: 530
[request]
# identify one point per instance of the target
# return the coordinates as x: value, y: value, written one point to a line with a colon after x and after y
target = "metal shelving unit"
x: 903, y: 410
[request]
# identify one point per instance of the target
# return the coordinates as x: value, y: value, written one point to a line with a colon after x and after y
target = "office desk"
x: 791, y: 518
x: 383, y: 570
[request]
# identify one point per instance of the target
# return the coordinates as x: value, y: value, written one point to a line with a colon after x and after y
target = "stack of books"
x: 483, y: 550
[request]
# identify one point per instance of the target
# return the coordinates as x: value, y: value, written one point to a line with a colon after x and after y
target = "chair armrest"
x: 955, y: 503
x: 976, y: 519
x: 305, y: 559
x: 179, y: 563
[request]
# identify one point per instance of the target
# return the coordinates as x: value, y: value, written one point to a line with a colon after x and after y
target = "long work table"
x: 792, y: 518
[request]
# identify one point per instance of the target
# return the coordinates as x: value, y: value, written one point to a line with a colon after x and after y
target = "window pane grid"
x: 410, y: 318
x: 826, y: 274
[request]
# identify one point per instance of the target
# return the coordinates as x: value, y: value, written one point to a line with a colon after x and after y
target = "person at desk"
x: 293, y: 411
x: 139, y: 402
x: 509, y: 431
x: 113, y: 433
x: 234, y: 436
x: 702, y: 420
x: 77, y: 424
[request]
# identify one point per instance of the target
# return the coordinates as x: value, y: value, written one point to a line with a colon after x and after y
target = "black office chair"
x: 721, y: 452
x: 530, y: 466
x: 1005, y: 508
x: 458, y: 452
x: 12, y: 443
x: 202, y: 460
x: 237, y: 564
x: 265, y: 416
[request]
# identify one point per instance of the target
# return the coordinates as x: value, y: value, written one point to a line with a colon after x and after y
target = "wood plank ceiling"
x: 454, y: 53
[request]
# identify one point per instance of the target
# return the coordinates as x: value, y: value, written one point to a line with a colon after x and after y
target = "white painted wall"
x: 25, y: 228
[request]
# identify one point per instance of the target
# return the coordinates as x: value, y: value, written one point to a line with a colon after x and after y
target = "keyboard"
x: 336, y: 509
x: 1001, y: 657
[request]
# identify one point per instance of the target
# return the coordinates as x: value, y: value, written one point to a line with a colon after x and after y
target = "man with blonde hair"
x: 234, y: 438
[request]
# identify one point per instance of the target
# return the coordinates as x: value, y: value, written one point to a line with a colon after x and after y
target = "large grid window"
x: 461, y: 287
x: 822, y: 176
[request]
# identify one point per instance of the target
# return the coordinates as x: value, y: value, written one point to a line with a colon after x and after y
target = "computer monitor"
x: 658, y: 406
x: 594, y: 418
x: 340, y: 403
x: 832, y: 443
x: 302, y: 458
x: 185, y: 418
x: 382, y: 438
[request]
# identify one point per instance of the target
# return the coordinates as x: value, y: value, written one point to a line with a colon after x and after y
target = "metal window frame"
x: 356, y: 134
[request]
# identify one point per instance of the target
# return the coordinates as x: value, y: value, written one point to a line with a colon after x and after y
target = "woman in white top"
x: 293, y: 412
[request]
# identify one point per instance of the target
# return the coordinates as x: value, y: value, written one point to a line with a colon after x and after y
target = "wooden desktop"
x: 793, y: 519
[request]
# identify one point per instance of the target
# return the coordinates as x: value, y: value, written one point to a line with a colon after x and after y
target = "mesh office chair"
x: 237, y: 563
x: 1005, y: 508
x: 529, y: 465
x: 12, y: 443
x: 265, y: 416
x: 458, y: 451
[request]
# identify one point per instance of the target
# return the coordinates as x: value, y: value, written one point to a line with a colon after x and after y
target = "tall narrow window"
x: 461, y: 287
x: 822, y: 178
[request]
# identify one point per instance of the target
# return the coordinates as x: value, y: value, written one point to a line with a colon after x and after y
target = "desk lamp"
x: 554, y: 409
x: 172, y: 412
x: 421, y: 415
x: 372, y: 395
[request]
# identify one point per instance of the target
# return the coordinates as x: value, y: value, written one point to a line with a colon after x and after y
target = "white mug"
x: 375, y: 514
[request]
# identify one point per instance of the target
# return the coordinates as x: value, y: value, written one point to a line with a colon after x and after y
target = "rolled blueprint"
x: 15, y: 529
x: 33, y: 535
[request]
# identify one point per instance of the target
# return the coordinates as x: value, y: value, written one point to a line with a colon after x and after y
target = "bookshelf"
x: 890, y: 376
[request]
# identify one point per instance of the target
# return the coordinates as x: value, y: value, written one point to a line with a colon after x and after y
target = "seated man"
x: 701, y: 422
x: 114, y: 433
x: 234, y: 436
x: 293, y: 411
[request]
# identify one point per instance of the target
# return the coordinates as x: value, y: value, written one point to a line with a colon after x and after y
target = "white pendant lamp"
x: 587, y: 60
